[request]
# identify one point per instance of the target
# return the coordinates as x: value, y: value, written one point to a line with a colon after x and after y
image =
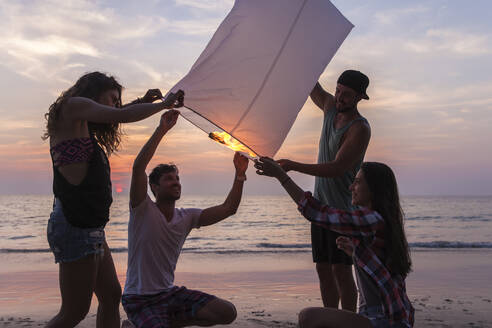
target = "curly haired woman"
x: 83, y: 127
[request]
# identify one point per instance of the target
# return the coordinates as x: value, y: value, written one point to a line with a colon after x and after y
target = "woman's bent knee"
x: 303, y: 316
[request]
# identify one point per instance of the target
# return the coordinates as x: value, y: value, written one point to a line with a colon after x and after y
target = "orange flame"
x: 227, y: 140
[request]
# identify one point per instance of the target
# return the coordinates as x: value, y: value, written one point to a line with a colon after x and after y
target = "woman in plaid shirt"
x: 373, y: 236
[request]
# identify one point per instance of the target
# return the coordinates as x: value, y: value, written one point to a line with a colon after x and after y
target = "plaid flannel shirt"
x: 365, y: 227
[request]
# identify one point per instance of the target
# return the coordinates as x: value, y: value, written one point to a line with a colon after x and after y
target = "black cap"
x: 355, y: 80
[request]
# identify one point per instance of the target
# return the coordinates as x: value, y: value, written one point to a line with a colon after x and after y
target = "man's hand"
x: 346, y: 245
x: 151, y: 95
x: 240, y: 163
x: 267, y: 166
x: 168, y: 120
x: 218, y: 213
x: 285, y: 164
x: 174, y: 100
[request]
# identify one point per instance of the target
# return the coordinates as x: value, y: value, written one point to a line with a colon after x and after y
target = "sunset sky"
x: 429, y: 63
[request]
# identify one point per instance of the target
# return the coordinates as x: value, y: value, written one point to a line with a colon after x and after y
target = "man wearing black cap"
x: 343, y: 143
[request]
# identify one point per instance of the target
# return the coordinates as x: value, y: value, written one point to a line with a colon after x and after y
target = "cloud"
x: 136, y: 127
x: 192, y: 27
x: 78, y: 19
x: 217, y: 5
x: 14, y: 125
x: 416, y: 48
x: 47, y: 38
x: 392, y: 16
x: 24, y: 154
x: 454, y: 120
x: 430, y: 95
x: 51, y: 45
x: 155, y: 75
x: 451, y: 41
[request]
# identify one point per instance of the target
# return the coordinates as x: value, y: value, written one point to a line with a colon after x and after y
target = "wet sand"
x: 449, y: 288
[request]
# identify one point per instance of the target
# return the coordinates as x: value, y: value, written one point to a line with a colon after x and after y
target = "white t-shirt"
x: 154, y: 245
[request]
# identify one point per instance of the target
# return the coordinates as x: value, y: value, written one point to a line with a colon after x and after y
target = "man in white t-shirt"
x: 156, y: 233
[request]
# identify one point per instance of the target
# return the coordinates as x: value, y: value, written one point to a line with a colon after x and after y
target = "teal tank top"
x: 334, y: 191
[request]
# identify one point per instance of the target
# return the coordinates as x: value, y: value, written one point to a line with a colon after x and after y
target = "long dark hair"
x: 91, y: 85
x: 386, y: 201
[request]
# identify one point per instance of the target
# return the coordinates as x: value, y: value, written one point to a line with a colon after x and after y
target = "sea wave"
x: 21, y: 237
x: 269, y: 245
x: 450, y: 244
x: 471, y: 218
x: 184, y: 250
x: 279, y: 248
x: 426, y: 217
x: 24, y: 250
x: 248, y: 251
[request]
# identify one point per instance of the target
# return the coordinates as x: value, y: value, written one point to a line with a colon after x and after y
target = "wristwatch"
x: 241, y: 178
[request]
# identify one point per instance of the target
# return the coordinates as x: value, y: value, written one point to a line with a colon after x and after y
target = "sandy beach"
x: 447, y: 288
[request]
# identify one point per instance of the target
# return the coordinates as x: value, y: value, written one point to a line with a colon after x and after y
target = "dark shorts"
x: 69, y: 243
x: 177, y: 303
x: 324, y: 247
x: 378, y: 319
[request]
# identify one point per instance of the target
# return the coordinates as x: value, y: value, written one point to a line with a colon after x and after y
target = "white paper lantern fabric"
x: 258, y: 69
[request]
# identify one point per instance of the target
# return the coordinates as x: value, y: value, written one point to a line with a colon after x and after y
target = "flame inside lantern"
x: 227, y: 140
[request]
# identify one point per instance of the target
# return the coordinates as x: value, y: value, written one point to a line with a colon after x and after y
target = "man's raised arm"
x: 138, y: 187
x: 218, y: 213
x: 324, y: 100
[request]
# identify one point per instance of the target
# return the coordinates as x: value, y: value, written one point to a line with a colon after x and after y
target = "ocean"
x: 263, y: 224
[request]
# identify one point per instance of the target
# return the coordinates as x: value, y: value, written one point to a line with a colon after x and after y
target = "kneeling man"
x: 156, y: 233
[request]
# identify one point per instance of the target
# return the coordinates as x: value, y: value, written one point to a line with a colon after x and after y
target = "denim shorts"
x: 378, y: 319
x: 69, y: 243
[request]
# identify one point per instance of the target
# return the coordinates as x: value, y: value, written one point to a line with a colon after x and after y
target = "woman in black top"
x: 83, y: 126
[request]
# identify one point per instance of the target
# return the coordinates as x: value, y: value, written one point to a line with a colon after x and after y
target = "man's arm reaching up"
x: 218, y: 213
x: 324, y: 100
x: 138, y: 186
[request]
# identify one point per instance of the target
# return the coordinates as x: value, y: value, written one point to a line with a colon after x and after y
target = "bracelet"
x: 286, y: 180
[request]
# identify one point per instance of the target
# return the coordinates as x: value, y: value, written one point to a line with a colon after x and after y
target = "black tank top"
x: 87, y: 204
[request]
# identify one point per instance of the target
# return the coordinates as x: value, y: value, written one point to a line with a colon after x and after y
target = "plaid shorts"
x: 157, y: 311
